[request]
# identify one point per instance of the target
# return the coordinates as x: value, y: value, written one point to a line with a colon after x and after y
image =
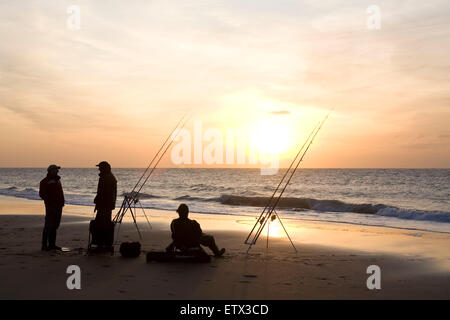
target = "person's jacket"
x: 185, y: 232
x: 51, y: 191
x: 106, y: 192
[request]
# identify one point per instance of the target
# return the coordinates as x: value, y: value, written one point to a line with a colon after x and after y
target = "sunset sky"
x: 114, y: 89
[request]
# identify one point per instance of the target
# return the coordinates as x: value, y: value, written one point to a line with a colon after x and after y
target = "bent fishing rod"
x: 167, y: 148
x: 133, y: 197
x: 269, y: 204
x: 156, y: 155
x: 270, y: 208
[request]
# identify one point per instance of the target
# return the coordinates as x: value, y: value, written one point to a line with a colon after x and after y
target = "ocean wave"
x: 27, y: 193
x: 201, y: 187
x: 189, y: 198
x: 142, y: 195
x: 289, y: 204
x: 437, y: 216
x: 296, y: 204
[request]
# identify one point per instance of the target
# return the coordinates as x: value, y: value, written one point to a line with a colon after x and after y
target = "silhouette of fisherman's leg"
x: 44, y: 239
x: 108, y: 214
x: 52, y: 220
x: 208, y: 241
x: 103, y: 218
x: 52, y: 239
x: 103, y: 215
x: 46, y: 228
x: 170, y: 247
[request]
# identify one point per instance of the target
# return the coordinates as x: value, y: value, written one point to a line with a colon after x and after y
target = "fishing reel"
x: 272, y: 218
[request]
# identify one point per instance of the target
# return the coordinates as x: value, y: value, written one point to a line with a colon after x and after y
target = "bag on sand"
x: 130, y: 249
x: 193, y: 255
x: 102, y: 233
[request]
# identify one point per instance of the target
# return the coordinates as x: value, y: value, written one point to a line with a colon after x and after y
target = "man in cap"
x: 186, y: 233
x: 105, y: 200
x: 51, y: 191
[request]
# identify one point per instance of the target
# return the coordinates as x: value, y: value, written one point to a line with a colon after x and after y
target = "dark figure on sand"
x: 51, y: 191
x: 186, y: 233
x: 105, y: 200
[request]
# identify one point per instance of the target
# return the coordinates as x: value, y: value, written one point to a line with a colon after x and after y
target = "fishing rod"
x: 132, y: 198
x: 264, y: 218
x: 131, y: 195
x: 279, y: 184
x: 265, y: 215
x: 160, y: 149
x: 167, y: 148
x: 272, y: 209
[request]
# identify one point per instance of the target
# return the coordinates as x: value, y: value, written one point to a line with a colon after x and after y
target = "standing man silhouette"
x: 105, y: 200
x: 51, y: 191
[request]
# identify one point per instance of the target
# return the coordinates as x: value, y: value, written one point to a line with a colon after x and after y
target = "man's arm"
x: 42, y: 190
x: 61, y: 194
x: 115, y: 191
x: 172, y: 229
x: 198, y: 230
x: 100, y: 191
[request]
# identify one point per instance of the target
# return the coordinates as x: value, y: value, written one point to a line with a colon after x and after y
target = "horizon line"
x: 344, y: 168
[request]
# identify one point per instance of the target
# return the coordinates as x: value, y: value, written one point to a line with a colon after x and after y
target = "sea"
x: 398, y: 198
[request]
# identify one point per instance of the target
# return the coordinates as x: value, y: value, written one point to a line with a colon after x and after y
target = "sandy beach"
x: 331, y: 261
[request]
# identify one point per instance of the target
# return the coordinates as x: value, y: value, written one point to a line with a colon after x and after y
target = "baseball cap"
x: 103, y: 164
x: 53, y: 167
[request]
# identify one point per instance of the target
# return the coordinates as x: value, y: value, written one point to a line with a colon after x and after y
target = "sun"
x: 270, y: 136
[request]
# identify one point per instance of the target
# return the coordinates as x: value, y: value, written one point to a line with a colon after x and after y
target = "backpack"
x: 130, y: 249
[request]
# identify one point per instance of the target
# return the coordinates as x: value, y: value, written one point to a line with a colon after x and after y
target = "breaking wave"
x: 142, y: 195
x: 297, y: 204
x: 288, y: 203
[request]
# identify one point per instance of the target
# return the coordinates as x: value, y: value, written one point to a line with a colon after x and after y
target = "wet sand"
x: 331, y: 262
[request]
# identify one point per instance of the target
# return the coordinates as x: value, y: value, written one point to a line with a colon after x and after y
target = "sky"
x: 114, y: 88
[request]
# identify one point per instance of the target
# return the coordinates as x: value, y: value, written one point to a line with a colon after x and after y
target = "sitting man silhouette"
x: 186, y: 233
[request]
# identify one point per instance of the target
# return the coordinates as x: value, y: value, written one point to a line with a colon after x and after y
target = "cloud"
x: 280, y: 112
x: 132, y: 63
